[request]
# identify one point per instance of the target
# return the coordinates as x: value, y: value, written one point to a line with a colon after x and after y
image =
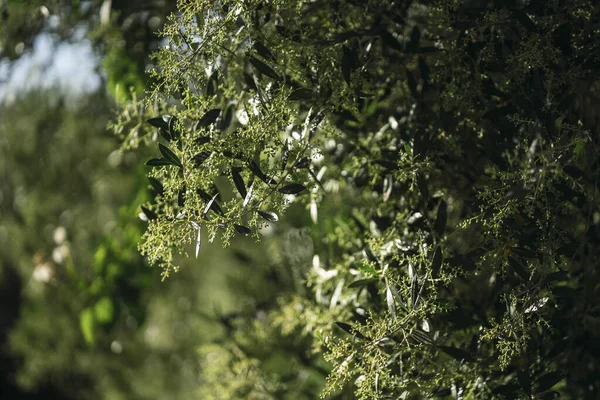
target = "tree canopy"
x: 447, y: 154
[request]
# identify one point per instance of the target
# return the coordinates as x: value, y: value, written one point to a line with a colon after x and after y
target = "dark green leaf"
x: 200, y: 158
x: 149, y: 213
x: 264, y: 68
x: 249, y: 79
x: 548, y: 380
x: 415, y: 40
x: 370, y: 256
x: 362, y: 282
x: 302, y: 162
x: 181, y: 197
x: 160, y: 122
x: 263, y: 51
x: 387, y: 164
x: 424, y: 70
x: 524, y: 381
x: 524, y: 19
x: 507, y: 391
x: 255, y: 168
x: 301, y: 94
x: 203, y: 140
x: 169, y: 155
x: 268, y: 215
x: 157, y: 162
x: 349, y: 63
x: 208, y: 118
x: 457, y: 354
x: 239, y: 182
x: 518, y: 268
x: 156, y: 185
x: 440, y: 220
x: 226, y: 118
x: 437, y: 262
x: 292, y: 188
x: 412, y: 84
x: 350, y: 330
x: 421, y: 337
x: 212, y: 85
x: 243, y: 230
x: 174, y: 129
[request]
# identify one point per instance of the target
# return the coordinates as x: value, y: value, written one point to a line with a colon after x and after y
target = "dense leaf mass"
x: 452, y: 148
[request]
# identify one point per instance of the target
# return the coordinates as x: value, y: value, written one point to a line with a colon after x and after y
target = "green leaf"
x: 208, y: 118
x: 548, y: 380
x: 524, y: 381
x: 239, y: 182
x: 104, y: 310
x: 421, y: 337
x: 370, y: 256
x: 156, y: 185
x: 349, y: 63
x: 86, y: 325
x: 263, y: 51
x: 255, y: 168
x: 412, y: 83
x: 159, y: 122
x: 169, y: 155
x: 301, y: 94
x: 248, y: 195
x: 268, y: 215
x: 436, y: 263
x: 264, y: 68
x: 173, y: 128
x: 362, y: 282
x: 212, y: 85
x: 157, y: 162
x: 457, y: 354
x: 243, y: 230
x: 226, y: 119
x: 350, y: 330
x: 292, y: 188
x: 149, y: 213
x: 200, y: 158
x: 302, y: 162
x: 440, y: 220
x: 209, y: 205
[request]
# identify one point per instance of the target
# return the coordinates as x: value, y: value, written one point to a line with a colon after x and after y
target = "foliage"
x: 448, y: 154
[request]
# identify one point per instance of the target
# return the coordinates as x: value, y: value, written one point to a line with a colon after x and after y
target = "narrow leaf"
x: 301, y: 94
x: 212, y: 204
x: 200, y: 158
x: 208, y: 118
x: 169, y: 155
x: 243, y: 230
x: 292, y: 188
x: 302, y: 162
x: 157, y: 162
x: 264, y: 68
x: 212, y: 84
x: 198, y: 242
x: 149, y: 213
x: 362, y: 282
x: 268, y: 215
x: 349, y: 329
x: 255, y: 168
x: 239, y: 182
x: 248, y: 195
x: 156, y: 185
x: 389, y: 297
x: 548, y: 380
x: 263, y: 51
x: 437, y: 262
x: 159, y: 122
x: 440, y: 220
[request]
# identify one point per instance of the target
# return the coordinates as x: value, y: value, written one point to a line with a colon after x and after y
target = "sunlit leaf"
x: 169, y: 155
